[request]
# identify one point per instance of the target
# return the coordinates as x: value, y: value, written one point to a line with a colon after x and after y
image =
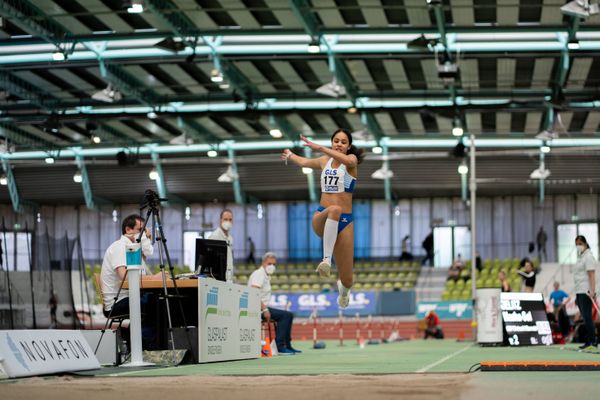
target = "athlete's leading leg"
x: 325, y: 224
x: 344, y: 260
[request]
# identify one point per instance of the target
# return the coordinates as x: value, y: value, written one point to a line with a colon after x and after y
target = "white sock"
x: 329, y: 237
x: 343, y: 289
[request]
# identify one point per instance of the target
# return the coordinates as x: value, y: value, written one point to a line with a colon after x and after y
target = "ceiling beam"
x: 238, y: 194
x: 25, y: 90
x: 85, y: 180
x: 31, y: 19
x: 13, y: 190
x: 174, y: 18
x: 21, y: 137
x: 412, y: 143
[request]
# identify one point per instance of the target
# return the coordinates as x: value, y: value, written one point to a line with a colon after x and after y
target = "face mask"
x: 226, y: 225
x: 580, y: 248
x: 270, y: 269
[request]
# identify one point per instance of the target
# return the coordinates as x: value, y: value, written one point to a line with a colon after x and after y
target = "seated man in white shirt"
x: 261, y: 279
x: 114, y: 267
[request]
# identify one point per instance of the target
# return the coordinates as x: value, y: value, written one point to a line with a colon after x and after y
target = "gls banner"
x: 303, y: 304
x: 446, y: 309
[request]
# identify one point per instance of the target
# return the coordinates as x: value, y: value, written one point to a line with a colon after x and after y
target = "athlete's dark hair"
x: 359, y: 153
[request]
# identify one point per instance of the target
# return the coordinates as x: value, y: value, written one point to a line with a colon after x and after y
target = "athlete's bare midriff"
x: 343, y: 200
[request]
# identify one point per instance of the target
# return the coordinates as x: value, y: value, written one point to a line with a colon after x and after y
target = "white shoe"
x: 343, y: 295
x: 324, y: 269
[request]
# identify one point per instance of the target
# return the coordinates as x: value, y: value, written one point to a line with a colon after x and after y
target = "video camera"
x: 151, y: 199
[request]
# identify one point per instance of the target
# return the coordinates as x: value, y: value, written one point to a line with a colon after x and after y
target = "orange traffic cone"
x: 266, y: 349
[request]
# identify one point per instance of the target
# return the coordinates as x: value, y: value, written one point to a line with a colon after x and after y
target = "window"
x: 566, y: 233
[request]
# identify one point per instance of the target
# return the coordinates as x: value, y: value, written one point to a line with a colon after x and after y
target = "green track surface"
x: 393, y: 358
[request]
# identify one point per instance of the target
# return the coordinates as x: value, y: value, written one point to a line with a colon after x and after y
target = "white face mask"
x: 580, y: 248
x: 270, y: 269
x: 226, y: 225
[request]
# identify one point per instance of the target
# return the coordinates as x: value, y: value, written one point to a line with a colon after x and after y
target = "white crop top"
x: 336, y: 180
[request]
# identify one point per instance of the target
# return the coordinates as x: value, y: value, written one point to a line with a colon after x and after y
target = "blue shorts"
x: 345, y: 219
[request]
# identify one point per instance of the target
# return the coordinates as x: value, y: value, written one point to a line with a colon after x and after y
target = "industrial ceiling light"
x: 540, y: 173
x: 96, y: 139
x: 352, y: 110
x: 216, y: 76
x: 77, y: 178
x: 58, y: 55
x: 3, y: 180
x: 422, y: 43
x: 579, y: 9
x: 52, y: 123
x: 459, y: 151
x: 212, y: 153
x: 224, y: 85
x: 463, y: 169
x: 228, y: 176
x: 307, y: 171
x: 170, y: 44
x: 457, y: 129
x: 383, y: 173
x: 545, y: 149
x: 153, y: 174
x: 107, y: 95
x: 152, y: 115
x: 547, y: 134
x: 134, y: 6
x: 332, y: 89
x: 314, y: 47
x: 182, y: 139
x: 573, y: 44
x: 49, y: 160
x: 447, y: 69
x: 276, y: 133
x: 377, y: 150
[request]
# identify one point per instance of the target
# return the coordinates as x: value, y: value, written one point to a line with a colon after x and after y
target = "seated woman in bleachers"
x: 504, y: 283
x: 456, y: 268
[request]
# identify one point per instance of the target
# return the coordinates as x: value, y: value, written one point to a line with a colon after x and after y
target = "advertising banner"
x: 39, y: 352
x: 489, y: 318
x: 446, y: 309
x: 325, y: 304
x: 228, y: 321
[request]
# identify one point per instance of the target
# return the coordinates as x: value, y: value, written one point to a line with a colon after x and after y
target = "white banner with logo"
x: 489, y: 316
x: 228, y: 321
x: 39, y: 352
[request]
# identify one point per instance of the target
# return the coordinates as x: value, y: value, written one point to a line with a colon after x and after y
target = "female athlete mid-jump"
x: 333, y: 219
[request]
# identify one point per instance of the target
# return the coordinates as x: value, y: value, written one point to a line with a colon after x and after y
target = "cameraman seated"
x: 114, y: 268
x: 261, y: 279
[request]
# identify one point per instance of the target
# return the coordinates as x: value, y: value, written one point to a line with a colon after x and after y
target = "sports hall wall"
x: 505, y: 225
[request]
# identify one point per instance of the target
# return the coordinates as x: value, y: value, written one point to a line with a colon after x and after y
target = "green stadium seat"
x: 446, y: 296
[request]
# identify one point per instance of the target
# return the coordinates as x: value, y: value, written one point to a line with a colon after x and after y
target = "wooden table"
x: 158, y: 283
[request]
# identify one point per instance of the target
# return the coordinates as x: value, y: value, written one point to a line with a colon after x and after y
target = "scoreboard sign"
x: 525, y: 320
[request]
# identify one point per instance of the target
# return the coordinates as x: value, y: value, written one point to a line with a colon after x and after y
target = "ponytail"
x: 359, y: 153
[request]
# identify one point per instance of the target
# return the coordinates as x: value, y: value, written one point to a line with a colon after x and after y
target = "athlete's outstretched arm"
x: 314, y: 163
x: 349, y: 160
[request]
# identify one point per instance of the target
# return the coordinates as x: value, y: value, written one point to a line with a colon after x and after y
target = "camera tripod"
x: 152, y: 201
